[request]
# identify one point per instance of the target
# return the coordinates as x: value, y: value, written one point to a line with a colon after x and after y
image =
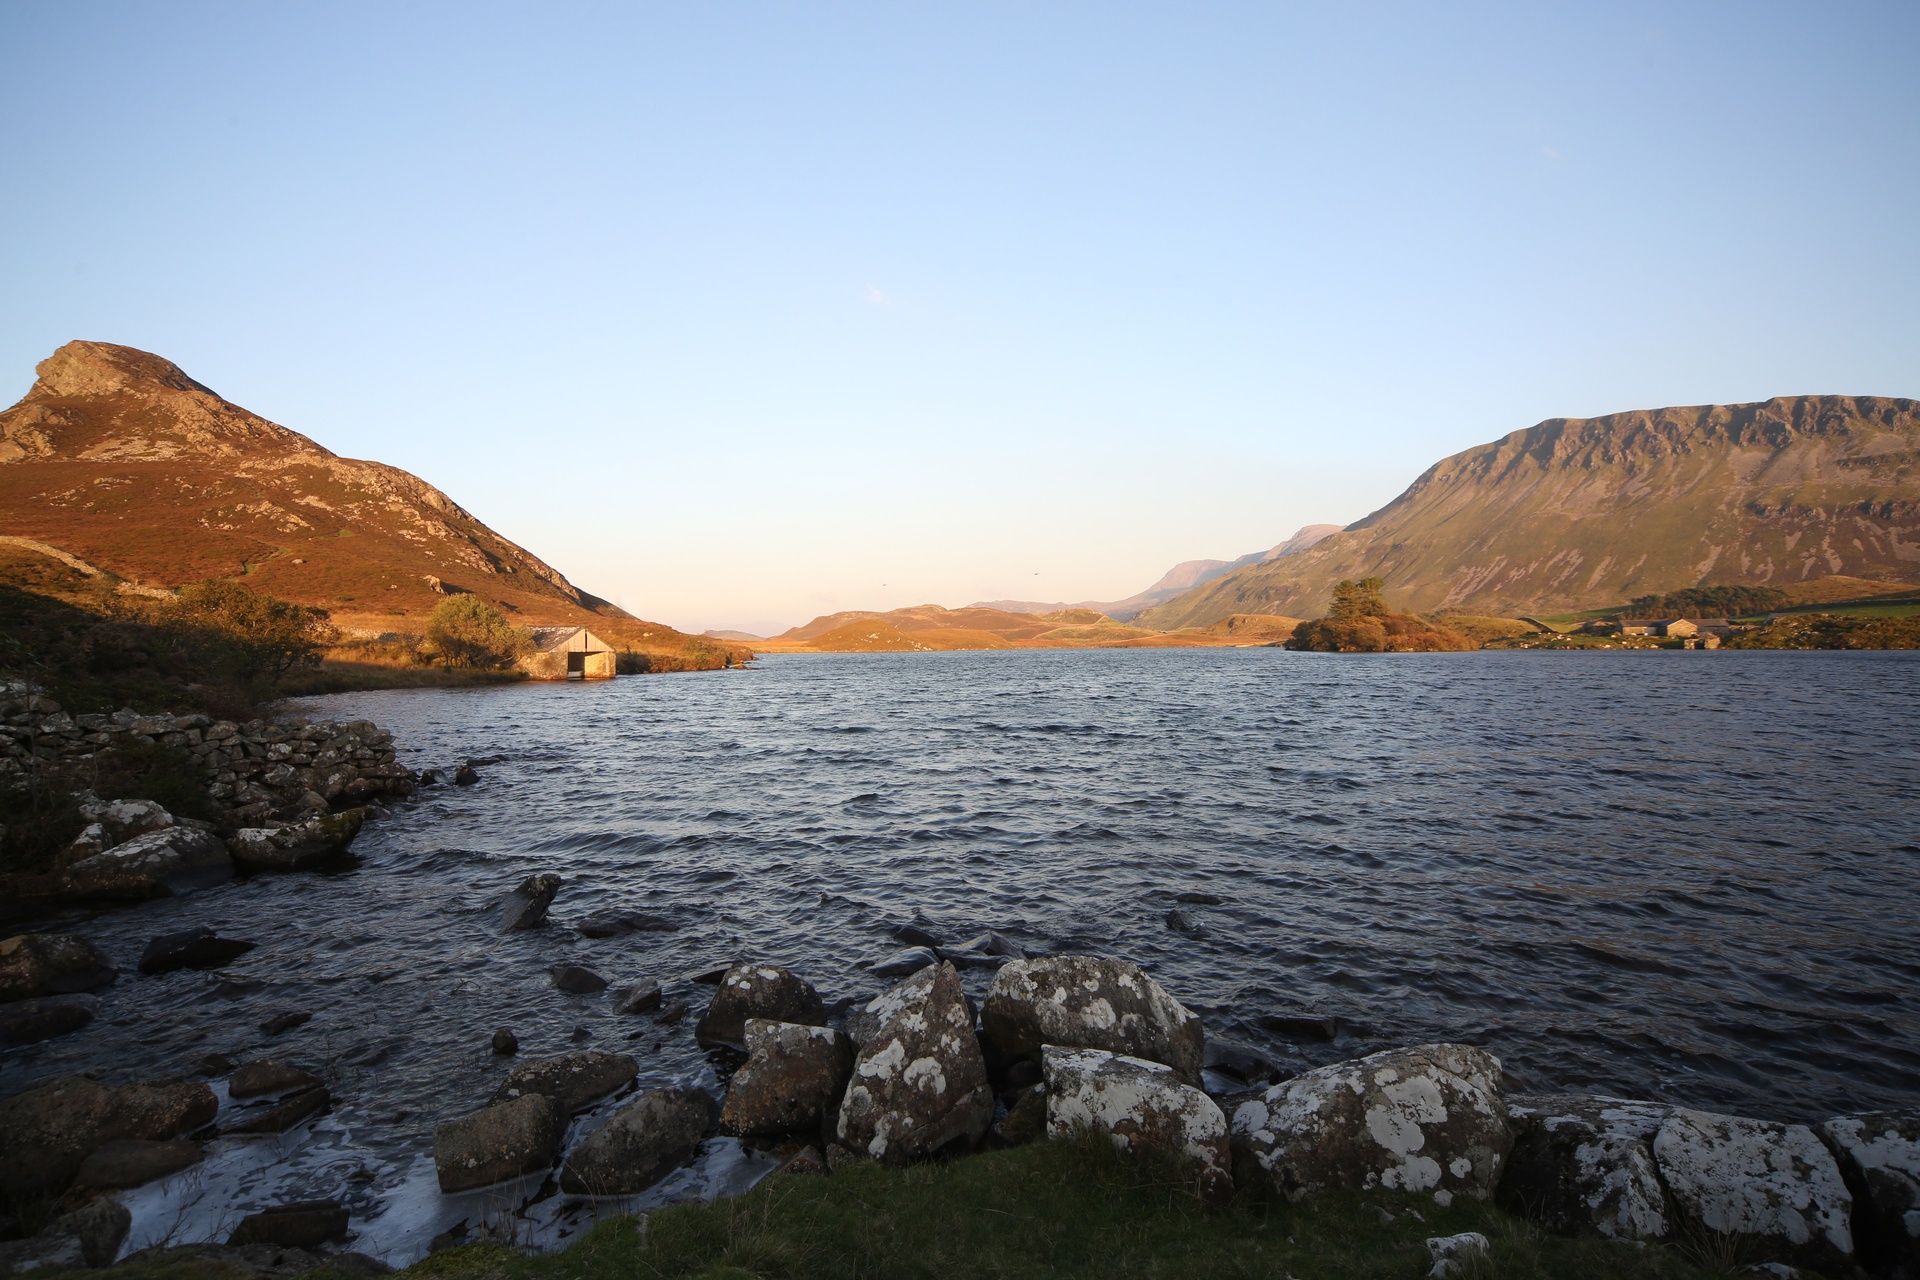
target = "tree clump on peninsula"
x: 1359, y: 621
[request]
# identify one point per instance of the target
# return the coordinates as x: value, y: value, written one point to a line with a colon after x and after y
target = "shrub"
x: 1708, y: 602
x: 466, y: 631
x: 264, y: 637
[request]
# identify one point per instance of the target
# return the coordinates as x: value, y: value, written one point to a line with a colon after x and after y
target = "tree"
x: 1355, y: 600
x: 255, y: 635
x: 466, y: 631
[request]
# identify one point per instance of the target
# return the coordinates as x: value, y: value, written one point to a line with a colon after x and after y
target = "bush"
x: 466, y: 631
x: 37, y: 821
x: 1708, y: 602
x: 263, y: 637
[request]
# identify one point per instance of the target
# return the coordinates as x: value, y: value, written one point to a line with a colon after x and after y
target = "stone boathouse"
x: 569, y: 653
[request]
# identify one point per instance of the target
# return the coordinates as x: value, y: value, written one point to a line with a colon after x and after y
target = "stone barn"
x: 569, y: 653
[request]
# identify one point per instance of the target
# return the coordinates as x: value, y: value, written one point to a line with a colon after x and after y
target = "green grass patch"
x: 1051, y: 1209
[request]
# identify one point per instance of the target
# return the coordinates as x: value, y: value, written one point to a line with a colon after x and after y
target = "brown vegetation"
x: 1358, y: 621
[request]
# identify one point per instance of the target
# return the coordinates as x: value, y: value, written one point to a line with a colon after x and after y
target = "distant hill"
x: 1583, y: 513
x: 118, y: 460
x: 930, y: 627
x: 1183, y: 577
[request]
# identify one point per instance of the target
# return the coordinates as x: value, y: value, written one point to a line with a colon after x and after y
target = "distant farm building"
x: 569, y: 653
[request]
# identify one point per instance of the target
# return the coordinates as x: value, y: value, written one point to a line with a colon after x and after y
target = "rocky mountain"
x: 1578, y: 513
x: 119, y: 459
x: 1183, y: 577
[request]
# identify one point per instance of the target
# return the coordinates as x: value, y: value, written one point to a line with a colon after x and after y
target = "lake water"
x: 1685, y: 876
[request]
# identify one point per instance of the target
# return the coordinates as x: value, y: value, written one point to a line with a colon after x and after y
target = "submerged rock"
x: 902, y: 963
x: 51, y: 964
x: 171, y: 860
x: 641, y: 997
x: 793, y: 1076
x: 756, y: 991
x: 575, y: 980
x: 610, y: 924
x: 1091, y: 1002
x: 570, y: 1081
x: 197, y: 948
x: 1425, y: 1119
x: 1773, y: 1186
x: 1143, y: 1107
x: 297, y: 846
x: 505, y: 1042
x: 300, y: 1226
x: 282, y: 1115
x: 1583, y: 1165
x: 257, y: 1079
x: 526, y: 907
x: 132, y: 1162
x: 49, y: 1131
x: 505, y: 1140
x: 1879, y: 1156
x: 919, y: 1081
x: 465, y: 776
x: 643, y: 1142
x: 31, y: 1021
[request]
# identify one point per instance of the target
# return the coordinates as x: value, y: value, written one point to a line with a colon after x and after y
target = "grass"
x: 1050, y: 1209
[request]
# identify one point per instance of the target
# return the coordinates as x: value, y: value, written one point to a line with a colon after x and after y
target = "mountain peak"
x: 81, y: 369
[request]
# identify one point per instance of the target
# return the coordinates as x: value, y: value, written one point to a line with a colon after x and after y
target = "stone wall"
x: 258, y: 771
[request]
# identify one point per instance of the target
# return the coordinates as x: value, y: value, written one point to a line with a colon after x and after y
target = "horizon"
x: 861, y: 310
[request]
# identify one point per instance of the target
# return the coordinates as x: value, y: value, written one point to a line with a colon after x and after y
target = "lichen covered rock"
x: 794, y: 1074
x: 1091, y: 1002
x: 756, y: 991
x: 47, y: 1132
x: 506, y: 1140
x: 571, y: 1081
x: 1143, y: 1107
x: 1879, y: 1156
x: 1583, y: 1165
x: 919, y: 1081
x: 1773, y: 1186
x: 297, y: 846
x: 172, y: 860
x: 1429, y: 1119
x: 643, y: 1142
x: 51, y: 964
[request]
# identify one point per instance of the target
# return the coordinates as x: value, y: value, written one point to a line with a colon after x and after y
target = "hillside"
x: 1182, y: 578
x: 117, y: 460
x: 926, y: 627
x: 1582, y: 513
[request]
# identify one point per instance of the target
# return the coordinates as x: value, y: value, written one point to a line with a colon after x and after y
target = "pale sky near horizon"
x: 742, y: 313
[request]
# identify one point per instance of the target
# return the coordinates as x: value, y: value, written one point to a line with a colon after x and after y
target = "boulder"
x: 51, y: 964
x: 191, y: 949
x: 643, y: 1142
x: 133, y: 1162
x: 994, y: 944
x: 794, y: 1074
x: 1091, y: 1002
x: 502, y: 1141
x: 571, y: 1081
x: 1774, y: 1187
x: 465, y: 776
x: 1583, y: 1165
x: 1144, y: 1108
x: 902, y: 963
x: 172, y: 860
x: 919, y: 1081
x: 609, y: 924
x: 913, y: 935
x: 805, y: 1161
x: 756, y: 991
x: 124, y: 819
x: 1879, y: 1156
x: 1026, y: 1117
x: 526, y: 907
x: 90, y: 1236
x: 296, y: 1226
x: 575, y: 980
x: 31, y: 1021
x: 1463, y: 1254
x: 1425, y: 1119
x: 297, y: 846
x: 505, y: 1042
x: 256, y: 1079
x: 47, y: 1132
x: 281, y: 1116
x: 641, y: 997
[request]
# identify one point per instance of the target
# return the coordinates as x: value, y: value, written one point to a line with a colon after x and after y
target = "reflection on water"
x: 1686, y: 876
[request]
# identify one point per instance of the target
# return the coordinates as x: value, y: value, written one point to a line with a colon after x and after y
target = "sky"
x: 741, y: 313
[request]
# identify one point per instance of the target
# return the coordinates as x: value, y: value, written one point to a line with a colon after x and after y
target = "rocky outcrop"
x: 1144, y: 1108
x: 49, y: 1131
x: 1583, y: 1165
x: 919, y: 1081
x: 526, y: 907
x: 44, y: 1017
x: 198, y: 948
x: 1879, y: 1156
x: 1429, y: 1119
x: 1774, y: 1186
x: 756, y: 991
x: 1091, y: 1002
x: 643, y: 1142
x: 793, y: 1076
x: 297, y: 846
x: 159, y: 864
x: 51, y: 964
x: 571, y: 1081
x: 506, y: 1140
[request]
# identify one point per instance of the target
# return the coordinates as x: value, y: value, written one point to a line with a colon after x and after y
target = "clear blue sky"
x: 741, y: 313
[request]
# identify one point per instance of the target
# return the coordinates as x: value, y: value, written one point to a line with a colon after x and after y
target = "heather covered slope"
x: 1580, y: 513
x: 119, y: 459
